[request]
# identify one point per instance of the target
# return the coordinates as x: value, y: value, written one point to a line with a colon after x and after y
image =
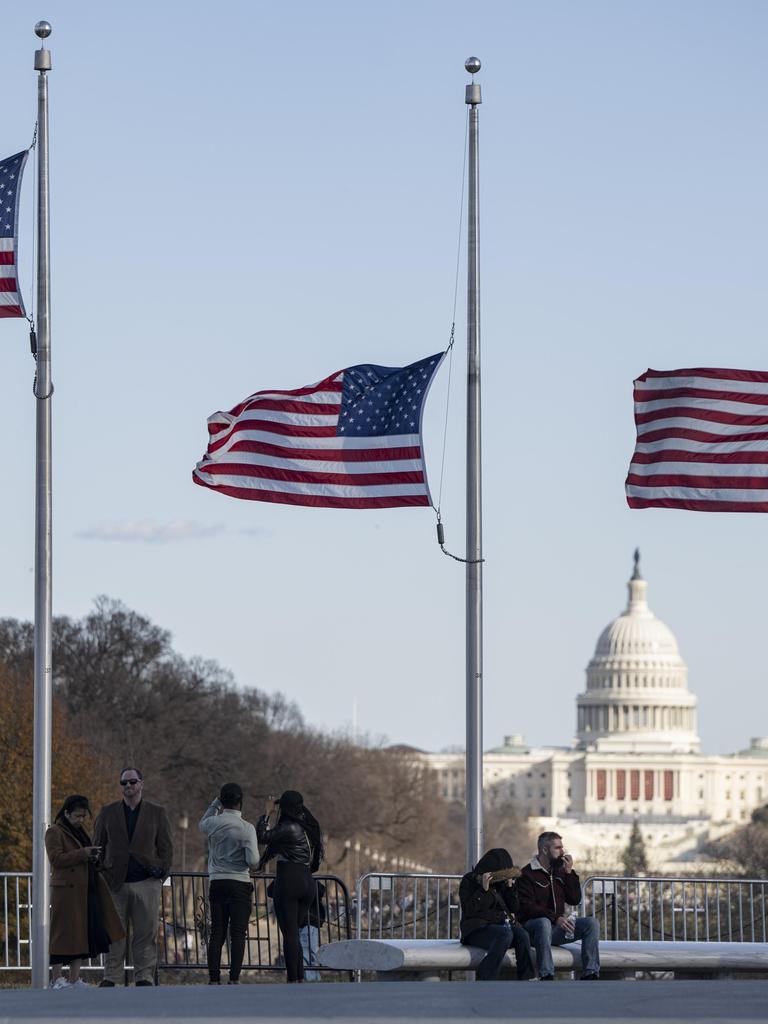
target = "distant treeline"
x: 123, y: 696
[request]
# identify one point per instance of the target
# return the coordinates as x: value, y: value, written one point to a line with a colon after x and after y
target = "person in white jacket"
x: 232, y: 852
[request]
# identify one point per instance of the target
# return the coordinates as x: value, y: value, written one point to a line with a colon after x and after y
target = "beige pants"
x: 138, y: 905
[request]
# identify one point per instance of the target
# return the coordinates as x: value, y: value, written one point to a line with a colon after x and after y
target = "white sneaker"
x: 80, y: 984
x: 61, y: 982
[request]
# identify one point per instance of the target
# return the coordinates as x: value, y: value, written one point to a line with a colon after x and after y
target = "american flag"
x: 351, y: 441
x: 702, y: 441
x: 11, y: 303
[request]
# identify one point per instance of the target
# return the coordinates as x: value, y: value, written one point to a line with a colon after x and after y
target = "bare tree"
x: 126, y: 697
x: 747, y: 848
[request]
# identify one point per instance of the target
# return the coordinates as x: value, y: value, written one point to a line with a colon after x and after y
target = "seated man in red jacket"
x: 543, y: 889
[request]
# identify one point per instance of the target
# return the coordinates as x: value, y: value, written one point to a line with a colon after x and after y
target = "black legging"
x: 230, y: 902
x: 294, y: 895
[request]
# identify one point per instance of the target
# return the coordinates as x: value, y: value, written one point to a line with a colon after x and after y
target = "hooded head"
x: 496, y: 859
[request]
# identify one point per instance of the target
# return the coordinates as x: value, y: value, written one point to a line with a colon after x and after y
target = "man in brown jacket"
x: 546, y: 885
x: 137, y: 854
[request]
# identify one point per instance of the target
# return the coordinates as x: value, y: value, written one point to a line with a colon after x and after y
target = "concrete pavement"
x: 669, y: 1002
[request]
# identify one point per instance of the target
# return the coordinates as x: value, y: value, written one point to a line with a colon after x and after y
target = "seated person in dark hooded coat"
x: 488, y: 898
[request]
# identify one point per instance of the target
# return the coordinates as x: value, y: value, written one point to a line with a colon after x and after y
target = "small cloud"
x: 147, y: 531
x: 255, y: 531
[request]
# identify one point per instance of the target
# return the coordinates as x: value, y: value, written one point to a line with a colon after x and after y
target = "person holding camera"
x: 545, y: 886
x: 83, y: 918
x: 137, y: 852
x: 488, y: 899
x: 295, y: 840
x: 232, y: 852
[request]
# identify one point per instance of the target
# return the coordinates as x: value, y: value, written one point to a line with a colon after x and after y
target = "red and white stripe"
x: 702, y: 441
x: 283, y: 446
x: 11, y: 303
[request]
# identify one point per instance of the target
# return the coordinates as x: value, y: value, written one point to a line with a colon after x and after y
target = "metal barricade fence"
x: 184, y: 923
x: 16, y: 922
x: 399, y: 905
x: 677, y: 909
x: 426, y: 906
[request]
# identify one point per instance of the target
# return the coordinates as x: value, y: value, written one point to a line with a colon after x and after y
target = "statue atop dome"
x: 637, y: 575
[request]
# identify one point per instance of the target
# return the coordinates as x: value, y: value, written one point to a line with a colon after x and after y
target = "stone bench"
x: 424, y: 959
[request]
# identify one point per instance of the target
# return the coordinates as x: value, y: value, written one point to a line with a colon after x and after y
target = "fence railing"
x: 417, y: 906
x: 426, y: 906
x: 184, y: 922
x: 398, y: 905
x: 678, y: 909
x: 16, y: 923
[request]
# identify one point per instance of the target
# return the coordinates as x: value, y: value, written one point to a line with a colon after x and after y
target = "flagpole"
x: 41, y: 794
x: 474, y: 570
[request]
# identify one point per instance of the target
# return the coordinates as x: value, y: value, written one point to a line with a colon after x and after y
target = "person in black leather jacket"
x: 296, y: 841
x: 488, y: 899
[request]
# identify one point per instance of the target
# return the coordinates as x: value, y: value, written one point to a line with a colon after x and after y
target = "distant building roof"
x: 758, y: 747
x: 404, y: 748
x: 514, y: 744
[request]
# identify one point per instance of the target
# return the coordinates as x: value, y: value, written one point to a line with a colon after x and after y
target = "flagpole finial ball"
x: 43, y: 29
x: 473, y: 65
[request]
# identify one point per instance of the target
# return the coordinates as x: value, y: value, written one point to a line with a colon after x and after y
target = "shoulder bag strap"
x: 502, y: 904
x: 311, y: 850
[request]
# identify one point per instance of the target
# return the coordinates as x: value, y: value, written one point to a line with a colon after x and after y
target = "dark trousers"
x: 230, y: 911
x: 294, y: 895
x: 497, y: 939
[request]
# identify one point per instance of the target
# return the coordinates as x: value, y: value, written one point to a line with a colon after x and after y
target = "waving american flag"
x: 702, y: 440
x: 351, y: 441
x: 11, y: 170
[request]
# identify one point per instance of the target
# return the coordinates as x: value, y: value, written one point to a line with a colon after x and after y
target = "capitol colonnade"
x: 633, y: 717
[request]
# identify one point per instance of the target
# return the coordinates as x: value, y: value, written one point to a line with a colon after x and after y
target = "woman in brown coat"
x: 83, y: 918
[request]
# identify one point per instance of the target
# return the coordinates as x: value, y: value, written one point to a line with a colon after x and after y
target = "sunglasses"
x: 129, y: 782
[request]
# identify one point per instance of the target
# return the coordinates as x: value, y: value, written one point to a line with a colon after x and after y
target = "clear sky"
x: 254, y: 195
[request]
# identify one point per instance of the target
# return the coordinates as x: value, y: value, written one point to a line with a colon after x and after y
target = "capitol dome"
x: 637, y: 696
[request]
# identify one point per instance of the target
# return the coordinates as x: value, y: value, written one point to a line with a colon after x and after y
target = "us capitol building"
x: 636, y: 756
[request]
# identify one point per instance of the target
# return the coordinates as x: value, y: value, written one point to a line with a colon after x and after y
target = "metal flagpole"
x: 41, y: 813
x: 474, y: 576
